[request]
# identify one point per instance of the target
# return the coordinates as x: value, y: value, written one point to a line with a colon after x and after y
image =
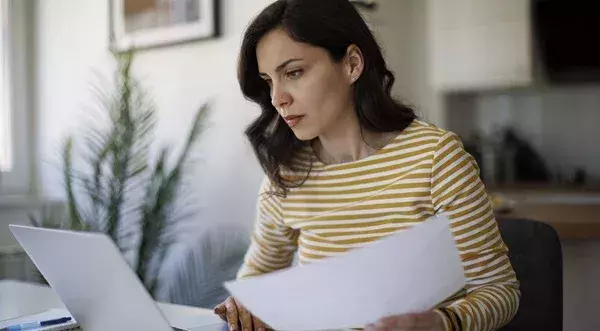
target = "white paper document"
x: 407, y: 272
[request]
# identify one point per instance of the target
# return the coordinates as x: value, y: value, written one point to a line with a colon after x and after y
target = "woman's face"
x: 308, y: 89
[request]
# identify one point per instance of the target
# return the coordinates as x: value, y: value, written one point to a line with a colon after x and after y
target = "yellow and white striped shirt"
x: 422, y: 172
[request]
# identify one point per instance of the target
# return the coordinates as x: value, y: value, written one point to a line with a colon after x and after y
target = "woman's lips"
x: 293, y: 120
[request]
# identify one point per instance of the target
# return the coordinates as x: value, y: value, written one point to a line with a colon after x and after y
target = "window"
x: 16, y: 141
x: 5, y: 109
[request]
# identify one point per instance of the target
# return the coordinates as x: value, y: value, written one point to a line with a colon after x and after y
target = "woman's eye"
x: 294, y: 73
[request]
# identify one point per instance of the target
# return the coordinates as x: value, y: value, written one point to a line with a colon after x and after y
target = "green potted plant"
x: 119, y: 191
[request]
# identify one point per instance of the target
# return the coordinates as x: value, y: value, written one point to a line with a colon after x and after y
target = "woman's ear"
x: 355, y: 63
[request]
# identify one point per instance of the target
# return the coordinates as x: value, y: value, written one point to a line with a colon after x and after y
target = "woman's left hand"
x: 428, y: 321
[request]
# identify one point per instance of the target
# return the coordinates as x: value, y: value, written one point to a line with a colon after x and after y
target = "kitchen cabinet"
x: 479, y: 44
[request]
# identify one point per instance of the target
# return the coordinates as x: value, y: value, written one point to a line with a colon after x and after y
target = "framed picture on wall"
x: 139, y: 24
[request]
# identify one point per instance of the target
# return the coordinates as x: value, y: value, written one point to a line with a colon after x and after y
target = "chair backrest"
x: 536, y: 255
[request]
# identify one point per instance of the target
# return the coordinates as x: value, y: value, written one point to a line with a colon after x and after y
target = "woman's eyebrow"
x: 282, y: 66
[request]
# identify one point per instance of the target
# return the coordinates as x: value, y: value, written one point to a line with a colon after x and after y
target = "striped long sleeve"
x: 492, y: 292
x: 273, y: 242
x: 424, y: 171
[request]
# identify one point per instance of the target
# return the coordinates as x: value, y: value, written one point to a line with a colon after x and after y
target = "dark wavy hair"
x: 333, y: 25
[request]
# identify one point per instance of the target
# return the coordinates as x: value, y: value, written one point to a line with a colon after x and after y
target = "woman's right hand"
x: 235, y: 314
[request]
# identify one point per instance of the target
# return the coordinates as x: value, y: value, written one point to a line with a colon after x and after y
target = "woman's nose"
x: 279, y: 97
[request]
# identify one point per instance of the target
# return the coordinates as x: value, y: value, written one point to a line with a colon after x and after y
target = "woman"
x: 347, y: 164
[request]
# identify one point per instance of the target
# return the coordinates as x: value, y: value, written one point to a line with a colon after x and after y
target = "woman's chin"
x: 304, y: 135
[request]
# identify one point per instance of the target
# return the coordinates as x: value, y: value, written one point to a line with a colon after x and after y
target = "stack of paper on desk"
x: 411, y: 271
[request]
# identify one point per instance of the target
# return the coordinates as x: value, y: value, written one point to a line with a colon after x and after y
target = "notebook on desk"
x: 44, y: 316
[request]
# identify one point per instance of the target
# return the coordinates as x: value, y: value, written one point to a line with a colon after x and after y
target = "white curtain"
x: 5, y: 112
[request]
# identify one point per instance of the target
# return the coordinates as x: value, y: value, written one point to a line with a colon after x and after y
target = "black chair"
x: 536, y: 255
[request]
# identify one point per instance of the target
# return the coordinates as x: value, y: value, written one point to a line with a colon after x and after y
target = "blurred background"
x: 518, y: 80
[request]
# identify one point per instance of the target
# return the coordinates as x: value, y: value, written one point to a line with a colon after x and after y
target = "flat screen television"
x: 567, y: 35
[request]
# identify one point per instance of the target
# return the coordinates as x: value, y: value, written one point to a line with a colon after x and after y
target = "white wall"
x: 401, y: 27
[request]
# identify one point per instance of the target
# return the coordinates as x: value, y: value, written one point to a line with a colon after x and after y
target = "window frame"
x: 5, y: 116
x: 19, y: 62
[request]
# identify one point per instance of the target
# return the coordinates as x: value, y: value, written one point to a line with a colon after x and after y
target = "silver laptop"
x: 93, y: 280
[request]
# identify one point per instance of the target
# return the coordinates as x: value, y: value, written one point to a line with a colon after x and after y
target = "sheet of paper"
x: 411, y: 271
x: 197, y: 322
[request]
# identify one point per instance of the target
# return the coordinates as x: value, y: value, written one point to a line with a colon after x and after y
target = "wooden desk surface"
x: 574, y: 213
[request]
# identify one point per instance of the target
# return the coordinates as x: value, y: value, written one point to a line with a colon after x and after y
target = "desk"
x: 20, y: 298
x: 574, y: 213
